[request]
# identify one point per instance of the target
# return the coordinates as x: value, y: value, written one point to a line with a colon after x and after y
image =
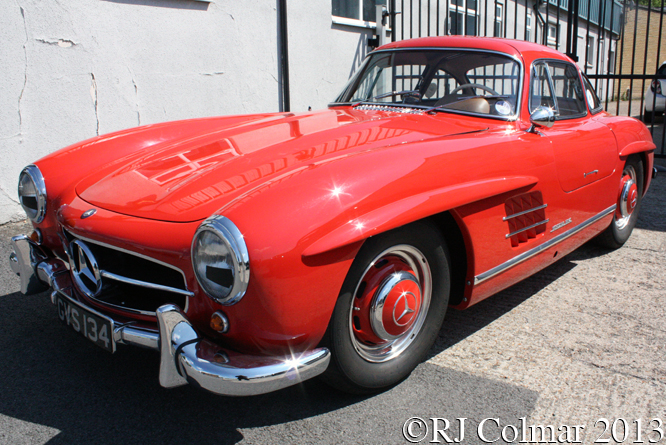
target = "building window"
x: 589, y: 59
x: 553, y: 33
x: 363, y: 10
x: 528, y: 26
x: 611, y: 61
x: 499, y: 20
x: 462, y: 17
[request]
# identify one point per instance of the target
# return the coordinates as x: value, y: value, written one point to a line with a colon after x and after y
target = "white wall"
x: 322, y: 55
x: 73, y: 69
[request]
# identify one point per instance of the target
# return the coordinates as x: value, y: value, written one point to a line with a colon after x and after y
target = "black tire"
x: 349, y: 370
x: 617, y: 234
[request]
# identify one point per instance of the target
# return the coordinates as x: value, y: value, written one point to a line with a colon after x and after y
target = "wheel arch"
x: 642, y: 153
x: 452, y: 230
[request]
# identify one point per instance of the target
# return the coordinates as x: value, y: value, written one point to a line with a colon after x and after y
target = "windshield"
x: 465, y: 81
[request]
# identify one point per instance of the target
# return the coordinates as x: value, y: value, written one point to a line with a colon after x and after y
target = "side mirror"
x: 541, y: 117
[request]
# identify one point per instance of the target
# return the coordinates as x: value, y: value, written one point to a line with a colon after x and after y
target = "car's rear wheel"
x: 647, y: 115
x: 390, y: 309
x: 628, y: 204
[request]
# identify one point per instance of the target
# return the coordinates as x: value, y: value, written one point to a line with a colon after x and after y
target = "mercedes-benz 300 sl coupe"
x: 254, y: 252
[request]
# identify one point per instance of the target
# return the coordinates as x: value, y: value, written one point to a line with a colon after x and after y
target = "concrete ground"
x: 581, y: 341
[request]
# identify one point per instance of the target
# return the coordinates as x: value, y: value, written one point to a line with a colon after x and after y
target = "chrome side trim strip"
x: 540, y: 223
x: 542, y: 247
x: 524, y: 212
x: 154, y: 286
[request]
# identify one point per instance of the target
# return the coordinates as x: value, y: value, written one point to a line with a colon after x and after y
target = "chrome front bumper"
x: 185, y: 356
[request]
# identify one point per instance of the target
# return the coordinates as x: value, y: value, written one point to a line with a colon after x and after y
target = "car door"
x: 585, y: 150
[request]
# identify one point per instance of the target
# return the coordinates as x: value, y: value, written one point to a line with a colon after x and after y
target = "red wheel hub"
x: 401, y: 304
x: 387, y: 303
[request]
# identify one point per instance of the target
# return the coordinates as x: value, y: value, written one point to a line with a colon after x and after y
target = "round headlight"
x: 32, y: 193
x: 220, y: 260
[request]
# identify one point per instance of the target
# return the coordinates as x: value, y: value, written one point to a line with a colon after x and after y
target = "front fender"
x: 414, y: 208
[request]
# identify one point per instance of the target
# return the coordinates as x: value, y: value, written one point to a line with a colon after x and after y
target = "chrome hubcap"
x: 395, y: 305
x: 390, y: 303
x: 628, y: 198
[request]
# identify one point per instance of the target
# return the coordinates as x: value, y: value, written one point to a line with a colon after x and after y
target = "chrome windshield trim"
x: 146, y: 284
x: 519, y: 90
x: 524, y: 212
x: 541, y: 248
x: 524, y: 229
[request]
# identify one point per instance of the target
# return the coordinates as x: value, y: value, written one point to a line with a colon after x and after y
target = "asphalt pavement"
x: 581, y: 341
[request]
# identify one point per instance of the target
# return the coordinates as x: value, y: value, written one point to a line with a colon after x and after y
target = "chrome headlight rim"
x: 227, y: 231
x: 36, y: 215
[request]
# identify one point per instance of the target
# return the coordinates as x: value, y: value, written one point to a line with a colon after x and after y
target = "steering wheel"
x: 475, y: 85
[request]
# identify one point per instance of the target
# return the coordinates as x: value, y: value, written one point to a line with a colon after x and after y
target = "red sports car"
x: 254, y: 252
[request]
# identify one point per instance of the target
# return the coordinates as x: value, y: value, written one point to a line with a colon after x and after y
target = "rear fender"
x: 645, y: 150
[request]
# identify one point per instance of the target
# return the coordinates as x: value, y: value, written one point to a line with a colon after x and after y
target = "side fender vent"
x: 526, y: 217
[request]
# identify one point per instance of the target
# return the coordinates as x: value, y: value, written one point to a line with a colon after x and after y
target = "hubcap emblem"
x: 85, y: 270
x: 404, y: 299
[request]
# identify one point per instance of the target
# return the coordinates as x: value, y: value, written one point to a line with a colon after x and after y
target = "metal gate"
x: 619, y: 44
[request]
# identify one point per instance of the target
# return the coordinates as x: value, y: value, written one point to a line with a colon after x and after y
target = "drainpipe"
x: 283, y: 56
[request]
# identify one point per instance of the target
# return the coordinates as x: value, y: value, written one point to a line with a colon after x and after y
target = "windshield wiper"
x: 405, y: 93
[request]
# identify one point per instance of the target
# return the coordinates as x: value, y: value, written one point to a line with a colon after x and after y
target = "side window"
x: 568, y: 90
x: 557, y: 85
x: 592, y: 99
x: 541, y: 94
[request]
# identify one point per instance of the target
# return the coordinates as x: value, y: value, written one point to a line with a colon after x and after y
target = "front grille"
x: 132, y: 282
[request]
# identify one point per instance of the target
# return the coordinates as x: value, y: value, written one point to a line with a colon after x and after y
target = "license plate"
x: 93, y: 326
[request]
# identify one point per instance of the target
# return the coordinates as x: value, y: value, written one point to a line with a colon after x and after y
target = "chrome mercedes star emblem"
x: 85, y: 270
x: 407, y: 310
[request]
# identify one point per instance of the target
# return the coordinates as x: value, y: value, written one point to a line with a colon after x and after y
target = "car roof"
x: 516, y: 48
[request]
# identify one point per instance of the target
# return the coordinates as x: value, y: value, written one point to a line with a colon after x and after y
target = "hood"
x: 190, y: 178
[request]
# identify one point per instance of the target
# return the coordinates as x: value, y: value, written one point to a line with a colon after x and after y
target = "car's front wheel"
x: 390, y: 309
x: 628, y: 205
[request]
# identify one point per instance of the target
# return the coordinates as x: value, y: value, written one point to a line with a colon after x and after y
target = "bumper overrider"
x: 185, y: 357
